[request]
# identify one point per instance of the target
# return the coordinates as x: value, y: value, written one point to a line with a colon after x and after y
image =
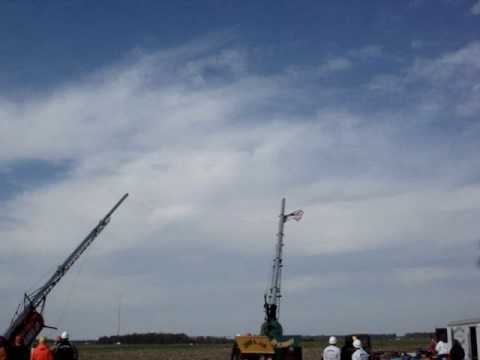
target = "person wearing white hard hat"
x: 65, y: 350
x: 359, y: 353
x: 331, y: 352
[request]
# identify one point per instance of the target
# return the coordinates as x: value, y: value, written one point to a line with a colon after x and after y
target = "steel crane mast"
x: 271, y: 326
x: 29, y: 322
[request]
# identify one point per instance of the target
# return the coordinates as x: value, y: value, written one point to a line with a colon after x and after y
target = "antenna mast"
x: 271, y: 327
x: 272, y: 297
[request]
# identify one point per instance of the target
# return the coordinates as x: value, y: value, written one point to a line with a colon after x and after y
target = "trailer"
x: 467, y: 332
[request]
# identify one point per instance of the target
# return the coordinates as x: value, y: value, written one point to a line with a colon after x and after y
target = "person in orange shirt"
x: 41, y: 351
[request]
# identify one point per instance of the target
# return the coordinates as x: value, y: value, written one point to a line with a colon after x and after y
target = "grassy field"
x: 311, y: 351
x: 154, y: 352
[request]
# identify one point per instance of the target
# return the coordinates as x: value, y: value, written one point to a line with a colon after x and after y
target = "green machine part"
x: 273, y: 329
x: 286, y: 347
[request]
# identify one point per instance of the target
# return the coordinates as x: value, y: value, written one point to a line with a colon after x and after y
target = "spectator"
x: 65, y: 350
x: 457, y: 352
x: 331, y: 352
x: 347, y: 349
x: 19, y: 351
x: 432, y: 346
x: 442, y: 350
x: 41, y: 351
x: 359, y: 353
x: 3, y: 350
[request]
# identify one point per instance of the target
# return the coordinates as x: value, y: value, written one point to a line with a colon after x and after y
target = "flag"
x: 296, y: 215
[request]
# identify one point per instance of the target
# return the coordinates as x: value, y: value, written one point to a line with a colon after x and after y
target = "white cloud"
x: 185, y: 152
x: 368, y: 52
x: 463, y: 62
x: 425, y: 276
x: 431, y: 86
x: 207, y: 148
x: 309, y: 282
x: 417, y: 44
x: 476, y: 8
x: 387, y: 84
x: 334, y: 65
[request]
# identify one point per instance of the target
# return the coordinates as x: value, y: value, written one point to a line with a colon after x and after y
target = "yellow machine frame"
x: 254, y: 348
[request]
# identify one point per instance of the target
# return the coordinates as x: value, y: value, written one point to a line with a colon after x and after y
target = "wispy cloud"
x: 425, y: 276
x: 207, y: 147
x: 334, y: 65
x: 368, y: 52
x: 417, y: 44
x: 476, y: 8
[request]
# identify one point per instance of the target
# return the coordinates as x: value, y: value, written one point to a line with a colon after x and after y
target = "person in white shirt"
x: 359, y: 353
x: 331, y: 352
x: 442, y: 349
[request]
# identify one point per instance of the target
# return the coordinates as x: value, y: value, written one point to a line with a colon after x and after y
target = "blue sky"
x: 363, y: 114
x: 51, y: 42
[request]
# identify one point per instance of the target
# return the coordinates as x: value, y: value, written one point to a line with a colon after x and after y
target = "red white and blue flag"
x: 296, y: 215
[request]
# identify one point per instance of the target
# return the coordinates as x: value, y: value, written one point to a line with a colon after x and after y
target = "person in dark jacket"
x: 347, y: 349
x: 3, y: 348
x: 18, y: 351
x: 65, y: 350
x: 457, y: 352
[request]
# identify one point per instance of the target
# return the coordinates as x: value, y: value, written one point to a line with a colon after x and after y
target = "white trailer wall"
x: 461, y: 331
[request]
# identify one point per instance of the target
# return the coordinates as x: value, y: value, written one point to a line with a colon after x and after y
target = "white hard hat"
x: 332, y: 340
x: 357, y: 344
x: 64, y: 335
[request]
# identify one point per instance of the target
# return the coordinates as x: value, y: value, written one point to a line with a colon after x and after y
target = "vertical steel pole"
x: 277, y: 273
x: 119, y: 318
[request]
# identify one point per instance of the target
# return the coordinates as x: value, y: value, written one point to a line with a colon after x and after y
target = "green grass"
x: 404, y: 345
x: 149, y: 347
x: 311, y: 350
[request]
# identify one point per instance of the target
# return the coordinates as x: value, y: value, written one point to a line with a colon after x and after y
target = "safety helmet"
x: 332, y: 340
x: 64, y: 335
x: 357, y: 344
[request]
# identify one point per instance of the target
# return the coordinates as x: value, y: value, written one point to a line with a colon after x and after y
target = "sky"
x: 363, y: 114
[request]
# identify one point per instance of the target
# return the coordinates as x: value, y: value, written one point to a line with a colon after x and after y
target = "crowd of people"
x: 62, y: 349
x: 441, y: 350
x: 437, y: 350
x: 333, y: 352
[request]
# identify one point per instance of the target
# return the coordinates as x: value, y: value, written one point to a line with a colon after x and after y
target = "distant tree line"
x: 324, y: 338
x: 182, y: 338
x: 416, y: 335
x: 162, y: 338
